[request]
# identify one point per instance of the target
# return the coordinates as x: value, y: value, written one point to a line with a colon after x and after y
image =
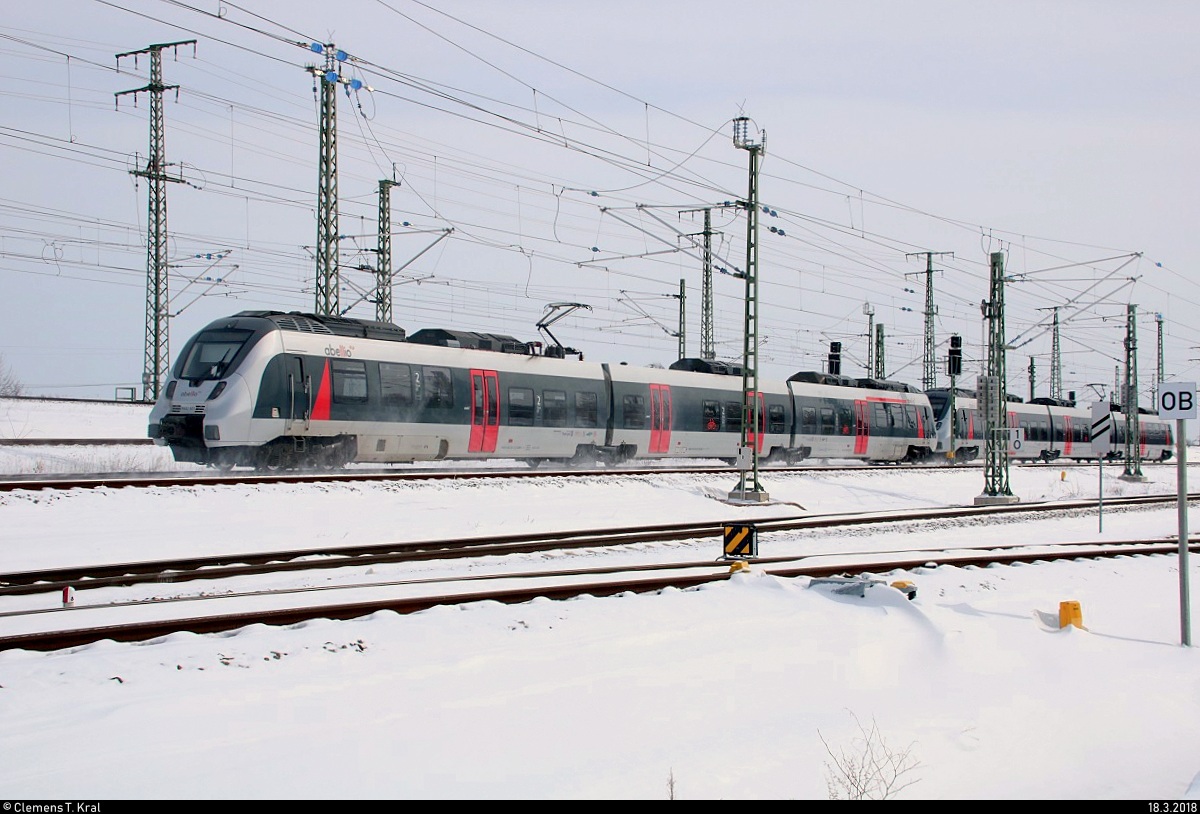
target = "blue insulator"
x: 342, y: 56
x: 316, y: 48
x: 355, y: 84
x: 331, y: 77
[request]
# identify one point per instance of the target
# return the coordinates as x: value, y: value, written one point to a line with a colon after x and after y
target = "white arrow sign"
x: 1101, y: 428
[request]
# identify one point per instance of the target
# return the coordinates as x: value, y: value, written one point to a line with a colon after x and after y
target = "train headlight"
x: 216, y: 391
x: 212, y: 432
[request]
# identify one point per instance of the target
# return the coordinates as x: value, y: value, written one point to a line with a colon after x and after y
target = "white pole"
x: 1185, y: 625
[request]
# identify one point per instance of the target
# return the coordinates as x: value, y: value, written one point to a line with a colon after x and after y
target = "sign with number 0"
x: 1177, y: 400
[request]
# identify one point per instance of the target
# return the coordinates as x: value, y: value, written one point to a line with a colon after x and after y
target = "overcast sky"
x: 567, y: 147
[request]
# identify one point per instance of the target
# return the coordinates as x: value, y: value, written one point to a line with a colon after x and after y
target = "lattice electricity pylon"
x: 929, y: 358
x: 157, y: 349
x: 748, y: 485
x: 1133, y: 446
x: 995, y: 387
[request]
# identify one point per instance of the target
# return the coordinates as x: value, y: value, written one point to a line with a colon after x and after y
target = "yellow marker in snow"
x: 1069, y: 613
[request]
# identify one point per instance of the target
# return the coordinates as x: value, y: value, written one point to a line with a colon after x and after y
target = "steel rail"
x: 252, y: 563
x: 700, y: 575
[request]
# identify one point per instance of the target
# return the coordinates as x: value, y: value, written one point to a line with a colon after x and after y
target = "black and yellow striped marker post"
x: 741, y: 541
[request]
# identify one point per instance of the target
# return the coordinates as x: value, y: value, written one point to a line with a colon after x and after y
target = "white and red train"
x: 1049, y: 429
x: 279, y: 390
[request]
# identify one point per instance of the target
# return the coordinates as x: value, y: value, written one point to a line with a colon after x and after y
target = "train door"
x: 1068, y: 435
x: 754, y: 432
x: 660, y: 418
x: 862, y: 426
x: 299, y: 388
x: 485, y: 411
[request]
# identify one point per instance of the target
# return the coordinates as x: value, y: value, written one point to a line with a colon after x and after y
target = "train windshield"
x: 212, y: 354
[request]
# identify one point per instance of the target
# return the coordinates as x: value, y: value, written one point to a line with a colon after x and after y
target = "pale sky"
x: 1059, y: 134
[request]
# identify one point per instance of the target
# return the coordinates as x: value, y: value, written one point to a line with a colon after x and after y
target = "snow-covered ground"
x: 747, y: 689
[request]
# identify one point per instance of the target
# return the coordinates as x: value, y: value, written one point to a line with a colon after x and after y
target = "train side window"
x: 775, y: 418
x: 845, y: 419
x: 712, y: 416
x: 733, y: 416
x: 808, y: 420
x: 395, y: 384
x: 882, y: 419
x: 438, y: 390
x: 634, y: 412
x: 554, y: 408
x: 586, y: 412
x: 910, y: 418
x: 520, y: 406
x: 827, y: 424
x: 349, y: 381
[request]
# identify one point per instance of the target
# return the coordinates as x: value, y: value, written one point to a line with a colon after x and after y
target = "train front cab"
x: 209, y: 398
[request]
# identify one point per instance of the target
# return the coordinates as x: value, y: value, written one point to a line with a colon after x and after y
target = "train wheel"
x: 272, y: 459
x: 584, y: 458
x: 327, y: 459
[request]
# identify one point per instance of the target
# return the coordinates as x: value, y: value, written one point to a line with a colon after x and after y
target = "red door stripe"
x: 320, y: 411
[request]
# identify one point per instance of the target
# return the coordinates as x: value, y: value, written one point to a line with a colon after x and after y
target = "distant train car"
x: 1051, y: 429
x: 276, y: 391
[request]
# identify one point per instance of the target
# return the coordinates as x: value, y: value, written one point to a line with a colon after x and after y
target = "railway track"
x: 9, y: 483
x: 75, y: 442
x: 314, y: 559
x: 78, y: 625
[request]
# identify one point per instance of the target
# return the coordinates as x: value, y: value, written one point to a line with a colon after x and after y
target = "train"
x: 277, y: 390
x: 1047, y: 429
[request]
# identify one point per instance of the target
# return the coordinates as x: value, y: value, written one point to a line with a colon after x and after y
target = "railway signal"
x: 835, y: 358
x: 954, y: 360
